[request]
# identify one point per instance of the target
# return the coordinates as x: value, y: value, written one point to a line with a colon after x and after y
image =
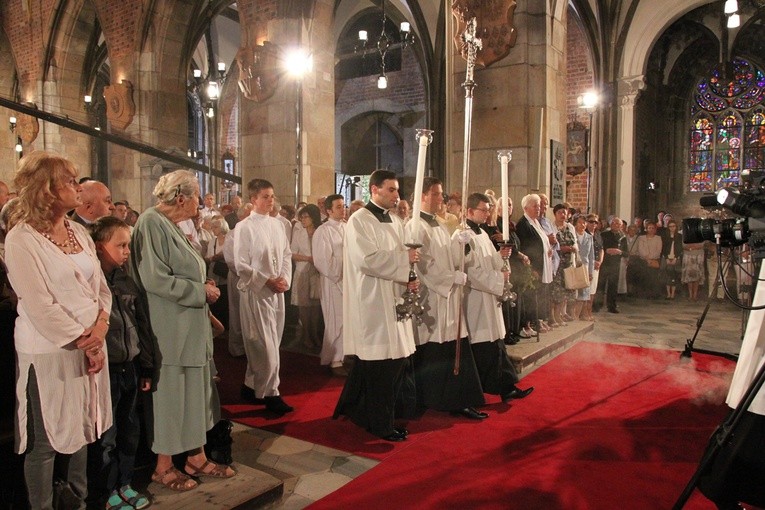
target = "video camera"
x: 748, y: 202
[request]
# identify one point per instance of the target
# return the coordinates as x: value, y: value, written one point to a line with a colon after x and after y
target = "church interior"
x: 647, y: 106
x: 619, y: 107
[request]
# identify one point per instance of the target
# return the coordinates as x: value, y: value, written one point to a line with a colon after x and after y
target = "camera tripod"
x: 689, y: 344
x: 722, y: 436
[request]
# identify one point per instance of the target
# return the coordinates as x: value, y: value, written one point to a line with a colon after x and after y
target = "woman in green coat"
x: 173, y: 276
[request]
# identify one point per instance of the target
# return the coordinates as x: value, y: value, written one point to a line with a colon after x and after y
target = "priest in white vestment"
x: 375, y: 274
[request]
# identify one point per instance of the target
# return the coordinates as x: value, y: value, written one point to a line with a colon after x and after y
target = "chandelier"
x: 384, y: 43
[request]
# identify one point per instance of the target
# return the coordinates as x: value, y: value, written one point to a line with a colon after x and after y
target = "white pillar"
x: 628, y: 90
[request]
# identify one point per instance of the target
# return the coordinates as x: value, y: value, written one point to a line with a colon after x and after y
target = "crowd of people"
x: 132, y: 303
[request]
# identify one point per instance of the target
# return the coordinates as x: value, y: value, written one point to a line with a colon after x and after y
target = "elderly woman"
x: 171, y: 272
x: 535, y: 244
x: 62, y: 387
x: 306, y: 287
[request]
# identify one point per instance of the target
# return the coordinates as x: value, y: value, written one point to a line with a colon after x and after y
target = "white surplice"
x: 327, y: 248
x: 752, y: 355
x: 439, y: 261
x: 375, y: 272
x: 483, y: 266
x: 261, y: 252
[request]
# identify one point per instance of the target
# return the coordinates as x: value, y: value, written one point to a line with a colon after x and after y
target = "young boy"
x: 263, y: 261
x: 130, y: 347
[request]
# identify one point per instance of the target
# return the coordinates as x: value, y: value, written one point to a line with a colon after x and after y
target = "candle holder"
x: 506, y: 153
x: 424, y: 132
x: 411, y: 307
x: 507, y: 291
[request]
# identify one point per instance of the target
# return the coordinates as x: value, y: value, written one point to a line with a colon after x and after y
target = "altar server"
x: 263, y: 262
x: 436, y: 337
x: 486, y: 325
x: 327, y: 249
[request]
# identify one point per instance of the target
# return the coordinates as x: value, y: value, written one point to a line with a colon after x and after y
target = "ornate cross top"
x: 471, y: 45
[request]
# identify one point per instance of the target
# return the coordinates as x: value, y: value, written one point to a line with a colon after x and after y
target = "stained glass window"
x: 728, y: 130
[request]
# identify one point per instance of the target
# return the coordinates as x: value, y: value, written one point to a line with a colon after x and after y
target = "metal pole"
x: 298, y: 141
x: 589, y: 162
x: 117, y: 140
x: 472, y: 45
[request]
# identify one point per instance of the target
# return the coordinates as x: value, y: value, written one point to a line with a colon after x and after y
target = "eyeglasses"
x: 483, y: 210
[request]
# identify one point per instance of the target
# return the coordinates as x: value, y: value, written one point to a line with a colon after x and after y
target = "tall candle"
x: 504, y: 157
x: 424, y: 137
x: 540, y: 152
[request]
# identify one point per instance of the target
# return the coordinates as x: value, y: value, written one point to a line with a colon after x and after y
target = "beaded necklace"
x: 71, y: 241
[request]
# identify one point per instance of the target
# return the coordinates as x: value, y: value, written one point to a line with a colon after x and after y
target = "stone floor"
x: 310, y: 471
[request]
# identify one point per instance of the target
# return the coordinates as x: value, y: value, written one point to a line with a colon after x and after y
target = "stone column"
x: 268, y: 127
x: 627, y: 90
x: 510, y: 98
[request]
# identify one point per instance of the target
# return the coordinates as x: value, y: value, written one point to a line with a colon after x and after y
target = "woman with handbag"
x: 567, y: 249
x: 306, y: 291
x: 585, y: 244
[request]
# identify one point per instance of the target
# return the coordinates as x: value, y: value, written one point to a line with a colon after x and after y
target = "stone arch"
x: 67, y: 77
x: 651, y: 19
x: 407, y: 103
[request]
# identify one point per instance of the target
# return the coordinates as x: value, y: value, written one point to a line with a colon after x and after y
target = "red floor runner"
x: 607, y: 427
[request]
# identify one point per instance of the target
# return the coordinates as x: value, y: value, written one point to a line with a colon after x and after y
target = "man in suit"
x: 614, y: 247
x: 96, y: 203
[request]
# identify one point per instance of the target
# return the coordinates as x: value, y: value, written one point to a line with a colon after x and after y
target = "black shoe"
x: 613, y: 310
x: 401, y: 430
x: 512, y: 340
x: 395, y: 437
x: 248, y: 394
x: 517, y: 393
x: 277, y: 405
x: 470, y: 413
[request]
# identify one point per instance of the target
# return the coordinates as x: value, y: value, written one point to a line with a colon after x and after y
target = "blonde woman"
x: 62, y: 386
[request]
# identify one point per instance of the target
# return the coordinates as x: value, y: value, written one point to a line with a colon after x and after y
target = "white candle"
x: 424, y: 137
x: 540, y: 152
x: 504, y: 158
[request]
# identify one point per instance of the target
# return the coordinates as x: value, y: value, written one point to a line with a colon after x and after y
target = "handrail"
x: 66, y: 122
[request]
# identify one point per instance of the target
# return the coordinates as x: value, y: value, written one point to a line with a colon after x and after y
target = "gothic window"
x: 728, y: 126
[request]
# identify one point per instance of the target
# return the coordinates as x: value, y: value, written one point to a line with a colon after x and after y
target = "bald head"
x: 3, y: 194
x: 96, y: 201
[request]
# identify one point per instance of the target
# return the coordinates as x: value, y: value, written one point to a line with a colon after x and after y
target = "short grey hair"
x: 179, y: 182
x: 531, y: 198
x: 219, y: 221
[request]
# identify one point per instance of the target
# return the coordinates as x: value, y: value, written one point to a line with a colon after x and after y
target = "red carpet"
x: 607, y: 427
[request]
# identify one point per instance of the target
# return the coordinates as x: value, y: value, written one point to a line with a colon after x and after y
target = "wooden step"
x: 529, y: 354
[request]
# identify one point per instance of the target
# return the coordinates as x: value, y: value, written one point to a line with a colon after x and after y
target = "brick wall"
x: 119, y: 21
x: 405, y: 87
x: 26, y: 24
x: 579, y: 79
